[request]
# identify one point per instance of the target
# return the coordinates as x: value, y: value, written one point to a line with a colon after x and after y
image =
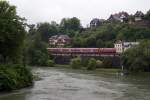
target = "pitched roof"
x: 60, y: 36
x: 64, y: 36
x: 139, y: 14
x: 118, y: 16
x: 95, y: 20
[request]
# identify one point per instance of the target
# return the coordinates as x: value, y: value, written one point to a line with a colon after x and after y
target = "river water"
x: 67, y: 84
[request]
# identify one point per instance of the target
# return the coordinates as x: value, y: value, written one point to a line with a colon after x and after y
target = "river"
x: 67, y: 84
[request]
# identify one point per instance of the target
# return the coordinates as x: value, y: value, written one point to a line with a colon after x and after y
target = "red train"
x: 82, y: 50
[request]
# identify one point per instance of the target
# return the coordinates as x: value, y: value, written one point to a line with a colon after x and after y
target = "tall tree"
x: 147, y: 16
x: 12, y: 33
x: 47, y: 29
x: 70, y: 25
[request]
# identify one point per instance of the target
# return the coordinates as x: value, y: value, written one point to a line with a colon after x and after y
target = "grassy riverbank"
x: 14, y: 77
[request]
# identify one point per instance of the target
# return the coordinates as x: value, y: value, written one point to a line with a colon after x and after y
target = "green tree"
x: 46, y: 30
x: 12, y: 34
x: 75, y: 24
x: 76, y: 63
x: 70, y: 26
x: 91, y: 64
x: 137, y: 58
x: 37, y: 52
x: 147, y: 15
x: 50, y: 63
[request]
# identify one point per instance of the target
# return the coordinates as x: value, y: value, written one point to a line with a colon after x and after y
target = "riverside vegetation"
x: 13, y: 73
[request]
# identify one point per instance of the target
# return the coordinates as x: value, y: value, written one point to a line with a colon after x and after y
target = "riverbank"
x: 14, y: 77
x: 108, y: 71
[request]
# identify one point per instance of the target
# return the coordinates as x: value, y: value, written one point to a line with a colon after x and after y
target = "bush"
x: 76, y: 63
x: 91, y: 64
x: 137, y: 58
x: 50, y: 63
x: 14, y: 77
x: 99, y: 64
x: 85, y: 62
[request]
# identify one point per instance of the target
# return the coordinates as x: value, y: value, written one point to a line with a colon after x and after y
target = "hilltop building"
x: 96, y: 22
x: 119, y: 17
x: 122, y: 46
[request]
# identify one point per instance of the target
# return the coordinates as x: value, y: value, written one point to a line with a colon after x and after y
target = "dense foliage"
x: 76, y: 63
x: 14, y: 77
x: 38, y: 35
x: 147, y: 16
x: 108, y: 33
x: 36, y: 52
x: 36, y: 48
x: 12, y: 35
x: 50, y: 63
x: 70, y: 26
x: 47, y: 30
x: 91, y: 64
x: 137, y: 58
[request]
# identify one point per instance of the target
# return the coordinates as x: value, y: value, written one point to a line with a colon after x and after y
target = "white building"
x: 59, y: 40
x: 123, y: 46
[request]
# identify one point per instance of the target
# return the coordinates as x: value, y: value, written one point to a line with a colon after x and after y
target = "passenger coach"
x: 82, y: 50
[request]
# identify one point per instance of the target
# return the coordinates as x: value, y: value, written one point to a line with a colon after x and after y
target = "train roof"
x: 80, y: 48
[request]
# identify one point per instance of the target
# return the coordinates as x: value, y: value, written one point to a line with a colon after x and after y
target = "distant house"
x: 118, y: 17
x: 138, y: 16
x: 123, y: 46
x: 59, y: 40
x: 96, y: 22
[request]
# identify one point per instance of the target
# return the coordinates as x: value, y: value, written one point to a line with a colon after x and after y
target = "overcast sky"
x: 54, y: 10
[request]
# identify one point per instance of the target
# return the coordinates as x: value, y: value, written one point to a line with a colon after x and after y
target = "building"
x: 119, y: 17
x: 59, y: 40
x: 122, y: 46
x: 96, y: 22
x: 138, y: 16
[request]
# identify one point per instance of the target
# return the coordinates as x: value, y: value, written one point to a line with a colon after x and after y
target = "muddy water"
x: 64, y: 84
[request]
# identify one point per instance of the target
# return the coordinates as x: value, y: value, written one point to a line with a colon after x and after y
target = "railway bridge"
x: 82, y: 51
x: 63, y: 55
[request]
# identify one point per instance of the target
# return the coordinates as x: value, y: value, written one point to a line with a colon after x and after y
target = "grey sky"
x: 48, y: 10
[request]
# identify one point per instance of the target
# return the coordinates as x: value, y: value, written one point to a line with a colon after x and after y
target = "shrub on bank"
x: 50, y: 63
x: 14, y: 77
x: 91, y: 64
x: 76, y: 63
x: 85, y: 62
